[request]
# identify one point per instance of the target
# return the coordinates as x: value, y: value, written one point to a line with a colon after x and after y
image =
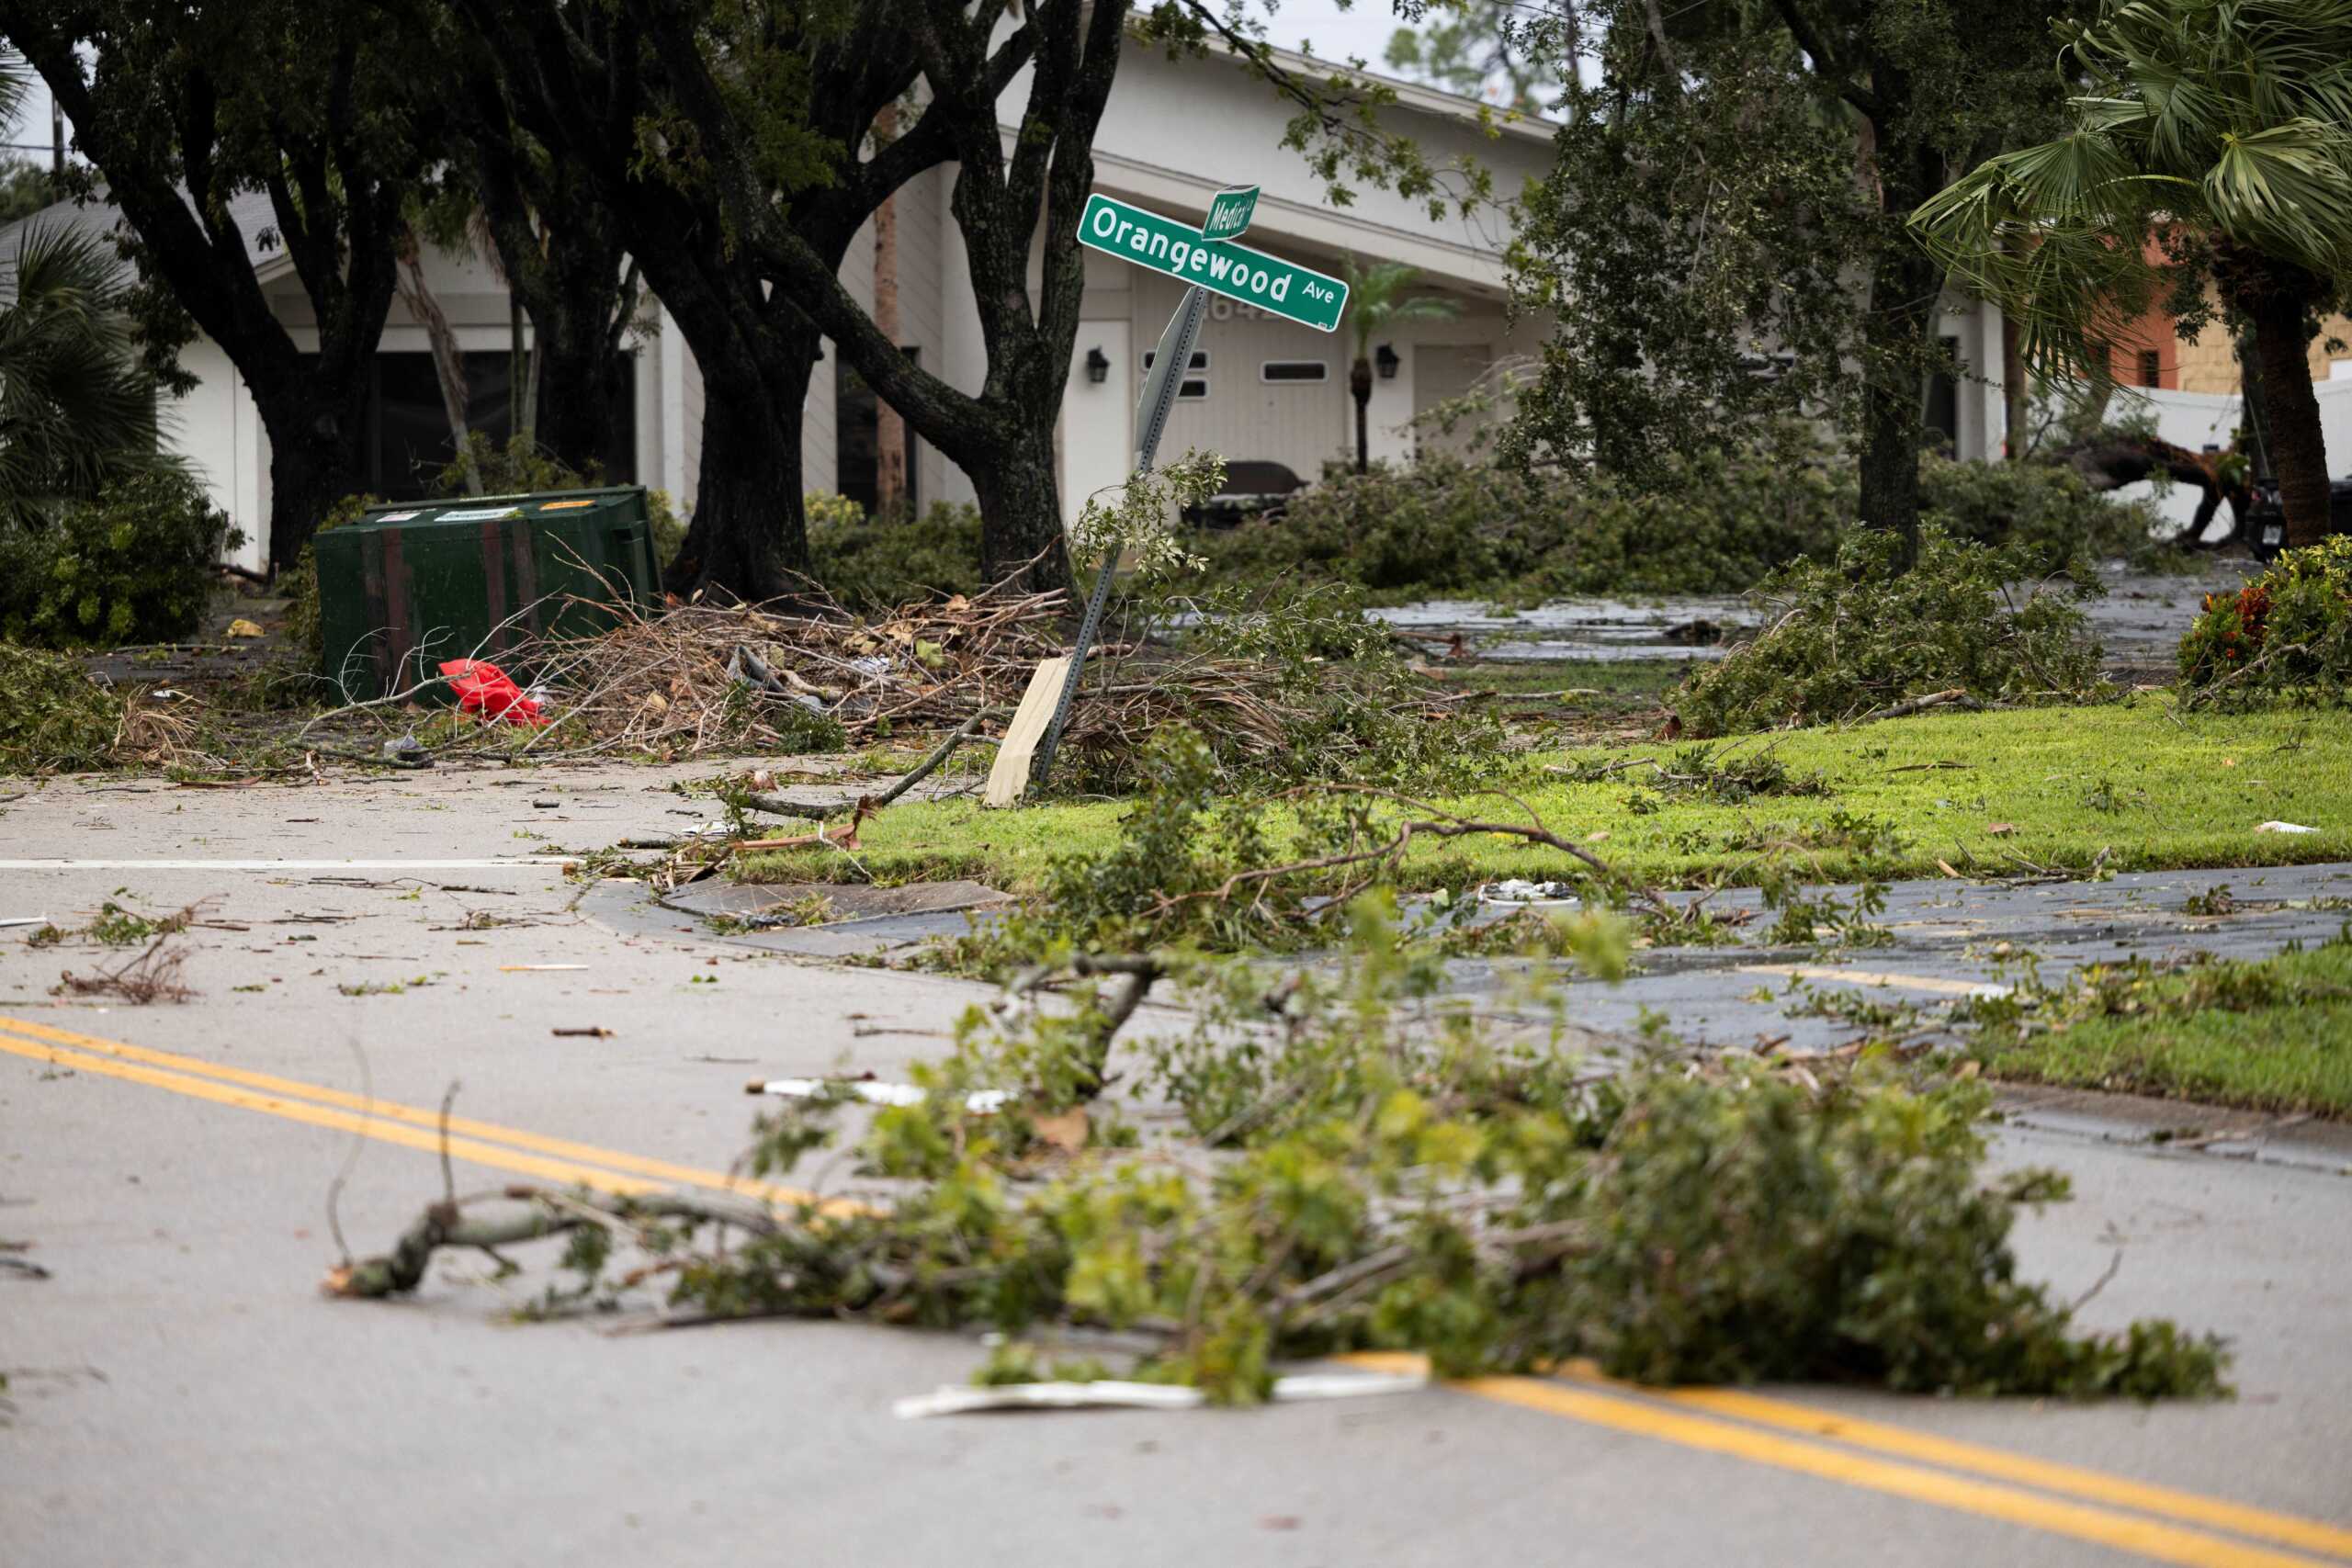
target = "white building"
x: 1175, y: 131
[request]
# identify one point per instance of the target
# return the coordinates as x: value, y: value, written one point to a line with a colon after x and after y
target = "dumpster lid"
x: 491, y: 508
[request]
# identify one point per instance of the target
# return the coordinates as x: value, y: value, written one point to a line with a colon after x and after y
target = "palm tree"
x: 2213, y: 134
x: 1376, y: 302
x: 77, y: 408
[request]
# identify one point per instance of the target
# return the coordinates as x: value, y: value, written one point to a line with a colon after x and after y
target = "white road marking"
x: 1876, y: 977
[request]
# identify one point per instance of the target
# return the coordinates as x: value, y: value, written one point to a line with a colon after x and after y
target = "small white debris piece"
x: 1347, y: 1385
x: 24, y: 920
x: 949, y: 1399
x: 2284, y: 827
x: 981, y: 1102
x: 1518, y: 891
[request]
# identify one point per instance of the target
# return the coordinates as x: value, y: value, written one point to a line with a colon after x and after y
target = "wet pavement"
x: 1949, y: 940
x: 2140, y: 621
x: 1945, y: 940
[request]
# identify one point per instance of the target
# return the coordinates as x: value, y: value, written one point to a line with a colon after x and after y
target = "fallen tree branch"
x: 866, y: 805
x: 546, y: 1213
x: 1371, y: 862
x: 1956, y: 698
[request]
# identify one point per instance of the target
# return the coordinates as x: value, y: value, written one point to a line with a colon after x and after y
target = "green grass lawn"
x: 2292, y: 1052
x: 1983, y: 793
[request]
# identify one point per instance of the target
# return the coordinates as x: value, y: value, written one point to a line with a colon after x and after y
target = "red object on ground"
x: 488, y: 692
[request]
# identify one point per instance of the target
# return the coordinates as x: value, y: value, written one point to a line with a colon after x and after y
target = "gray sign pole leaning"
x: 1169, y: 362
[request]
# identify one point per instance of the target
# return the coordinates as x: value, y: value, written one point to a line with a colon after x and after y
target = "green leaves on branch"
x: 2199, y: 124
x: 1400, y: 1170
x: 55, y: 718
x: 133, y: 566
x: 1857, y: 639
x: 1137, y: 519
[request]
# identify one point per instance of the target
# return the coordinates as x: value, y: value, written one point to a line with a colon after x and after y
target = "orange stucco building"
x: 2150, y: 354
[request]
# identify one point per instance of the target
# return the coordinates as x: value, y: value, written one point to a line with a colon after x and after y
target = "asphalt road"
x: 179, y: 1393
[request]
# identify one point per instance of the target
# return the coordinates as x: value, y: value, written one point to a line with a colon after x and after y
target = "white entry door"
x: 1098, y: 418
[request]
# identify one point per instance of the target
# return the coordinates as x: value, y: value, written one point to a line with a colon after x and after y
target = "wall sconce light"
x: 1385, y: 360
x: 1098, y: 366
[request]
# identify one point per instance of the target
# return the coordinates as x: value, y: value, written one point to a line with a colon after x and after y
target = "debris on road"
x: 950, y: 1399
x: 150, y: 977
x: 1518, y: 891
x: 594, y: 1031
x: 979, y: 1102
x: 536, y: 968
x: 489, y: 693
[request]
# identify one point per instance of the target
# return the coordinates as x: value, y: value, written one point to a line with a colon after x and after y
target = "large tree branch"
x: 1827, y: 65
x: 958, y: 424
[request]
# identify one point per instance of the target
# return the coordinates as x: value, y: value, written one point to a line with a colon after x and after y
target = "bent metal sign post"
x: 1178, y: 250
x: 1208, y: 260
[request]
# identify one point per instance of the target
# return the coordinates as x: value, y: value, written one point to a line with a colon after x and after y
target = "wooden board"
x: 1010, y: 778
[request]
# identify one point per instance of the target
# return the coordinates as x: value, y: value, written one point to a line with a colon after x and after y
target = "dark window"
x: 408, y: 426
x: 1294, y: 370
x: 857, y: 439
x: 1192, y: 391
x: 1941, y: 414
x: 1200, y: 360
x: 2152, y: 368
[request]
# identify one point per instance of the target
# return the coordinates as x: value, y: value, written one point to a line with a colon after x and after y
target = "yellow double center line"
x: 386, y: 1121
x: 2154, y: 1522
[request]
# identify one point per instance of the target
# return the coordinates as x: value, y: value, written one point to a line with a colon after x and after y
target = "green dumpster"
x: 409, y: 586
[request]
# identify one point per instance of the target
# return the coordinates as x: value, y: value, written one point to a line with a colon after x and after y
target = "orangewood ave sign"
x: 1294, y: 292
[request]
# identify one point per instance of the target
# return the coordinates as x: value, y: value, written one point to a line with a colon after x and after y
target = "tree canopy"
x: 1722, y: 235
x: 227, y: 130
x: 2208, y: 139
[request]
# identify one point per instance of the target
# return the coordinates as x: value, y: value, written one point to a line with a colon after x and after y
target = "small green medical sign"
x: 1229, y: 214
x: 1283, y: 288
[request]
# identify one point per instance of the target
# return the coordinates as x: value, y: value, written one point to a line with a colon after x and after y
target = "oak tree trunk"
x: 2015, y: 390
x: 749, y: 533
x: 314, y: 462
x: 1904, y: 285
x: 1023, y: 504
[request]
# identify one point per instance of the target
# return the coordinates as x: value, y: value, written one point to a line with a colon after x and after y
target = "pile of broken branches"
x: 696, y: 679
x: 699, y: 678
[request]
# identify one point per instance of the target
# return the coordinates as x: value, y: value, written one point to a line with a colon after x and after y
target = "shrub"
x: 1840, y: 1238
x: 1845, y: 639
x: 133, y: 566
x: 56, y: 717
x: 2284, y: 637
x: 1725, y: 519
x: 2044, y: 507
x: 873, y: 564
x: 1443, y: 524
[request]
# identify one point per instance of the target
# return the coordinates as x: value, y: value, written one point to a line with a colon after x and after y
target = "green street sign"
x: 1294, y: 292
x: 1229, y: 214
